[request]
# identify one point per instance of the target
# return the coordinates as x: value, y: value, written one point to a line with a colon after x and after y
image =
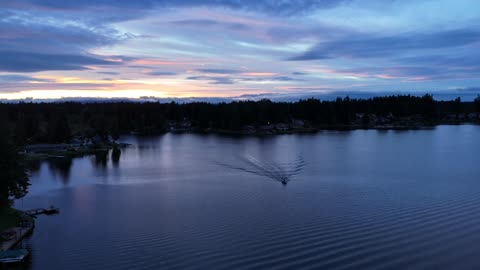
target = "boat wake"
x: 281, y: 172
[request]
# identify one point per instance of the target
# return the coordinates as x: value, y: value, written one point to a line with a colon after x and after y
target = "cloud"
x: 31, y: 43
x: 256, y: 96
x: 161, y: 73
x: 218, y: 71
x: 13, y: 61
x: 109, y: 72
x: 43, y: 33
x: 320, y: 30
x: 372, y: 46
x: 221, y: 80
x: 277, y: 7
x: 21, y: 78
x: 299, y: 73
x: 213, y: 80
x: 437, y: 60
x: 271, y: 79
x: 205, y: 23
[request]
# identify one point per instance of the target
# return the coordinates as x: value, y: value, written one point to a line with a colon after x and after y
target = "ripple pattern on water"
x: 281, y: 172
x: 366, y: 200
x: 441, y: 231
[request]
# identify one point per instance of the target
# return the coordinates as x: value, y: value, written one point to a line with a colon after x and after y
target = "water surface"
x: 361, y: 200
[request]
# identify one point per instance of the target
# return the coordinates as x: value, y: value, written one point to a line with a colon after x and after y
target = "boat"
x: 13, y: 256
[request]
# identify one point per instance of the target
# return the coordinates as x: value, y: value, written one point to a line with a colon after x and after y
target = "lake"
x: 361, y: 199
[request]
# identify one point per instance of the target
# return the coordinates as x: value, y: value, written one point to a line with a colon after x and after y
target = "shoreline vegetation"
x: 69, y: 129
x: 14, y: 183
x: 36, y: 152
x: 15, y: 225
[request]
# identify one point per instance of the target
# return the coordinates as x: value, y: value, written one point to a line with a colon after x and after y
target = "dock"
x: 40, y: 211
x: 18, y: 234
x: 11, y: 237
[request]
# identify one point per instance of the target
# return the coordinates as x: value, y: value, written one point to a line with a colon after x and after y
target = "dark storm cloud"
x: 364, y: 46
x: 33, y: 62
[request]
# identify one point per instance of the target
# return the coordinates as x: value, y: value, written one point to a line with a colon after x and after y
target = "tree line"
x: 59, y: 122
x: 14, y: 180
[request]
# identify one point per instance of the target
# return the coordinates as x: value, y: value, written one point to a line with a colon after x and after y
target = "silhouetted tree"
x: 57, y: 122
x: 59, y: 130
x: 457, y: 106
x: 477, y: 103
x: 14, y: 179
x: 116, y: 153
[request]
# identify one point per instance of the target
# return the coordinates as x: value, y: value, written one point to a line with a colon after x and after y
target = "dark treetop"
x: 60, y: 122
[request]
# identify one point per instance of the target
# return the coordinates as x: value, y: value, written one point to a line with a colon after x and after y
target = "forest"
x: 31, y: 122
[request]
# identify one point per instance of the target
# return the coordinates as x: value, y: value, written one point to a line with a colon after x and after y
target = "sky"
x: 238, y: 49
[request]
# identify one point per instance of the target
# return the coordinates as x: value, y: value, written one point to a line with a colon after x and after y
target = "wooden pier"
x: 45, y: 211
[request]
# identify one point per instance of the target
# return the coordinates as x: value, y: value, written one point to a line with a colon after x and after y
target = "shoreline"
x: 24, y: 226
x: 68, y: 151
x: 307, y: 130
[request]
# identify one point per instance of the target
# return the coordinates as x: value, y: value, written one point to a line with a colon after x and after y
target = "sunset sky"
x: 233, y: 48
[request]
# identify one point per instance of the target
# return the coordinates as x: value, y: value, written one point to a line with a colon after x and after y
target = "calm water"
x: 359, y: 200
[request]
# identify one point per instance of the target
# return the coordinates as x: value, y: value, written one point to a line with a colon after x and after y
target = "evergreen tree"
x: 477, y: 104
x: 14, y: 179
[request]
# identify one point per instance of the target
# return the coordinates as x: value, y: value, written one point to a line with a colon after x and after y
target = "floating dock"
x: 40, y: 211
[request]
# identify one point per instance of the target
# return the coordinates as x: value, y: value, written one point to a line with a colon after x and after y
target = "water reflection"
x: 100, y: 159
x: 34, y: 165
x: 363, y: 200
x: 116, y: 153
x: 281, y: 172
x: 61, y: 167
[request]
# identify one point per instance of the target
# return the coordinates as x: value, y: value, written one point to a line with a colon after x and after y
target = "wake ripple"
x: 280, y: 172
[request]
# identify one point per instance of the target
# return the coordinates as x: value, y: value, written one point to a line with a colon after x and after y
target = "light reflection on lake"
x: 363, y: 200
